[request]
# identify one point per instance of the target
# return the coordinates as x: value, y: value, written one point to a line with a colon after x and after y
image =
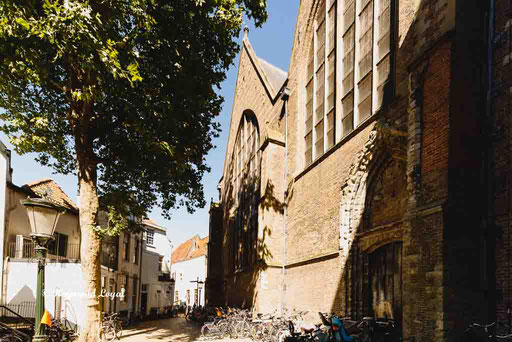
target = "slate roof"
x: 272, y: 77
x: 49, y: 189
x: 275, y: 75
x: 187, y: 250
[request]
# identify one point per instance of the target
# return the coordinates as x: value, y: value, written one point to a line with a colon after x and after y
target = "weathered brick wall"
x: 428, y: 104
x: 271, y: 212
x: 436, y: 121
x: 500, y: 121
x: 315, y: 286
x: 241, y: 288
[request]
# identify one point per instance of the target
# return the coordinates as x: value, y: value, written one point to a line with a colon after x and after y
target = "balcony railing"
x: 27, y: 251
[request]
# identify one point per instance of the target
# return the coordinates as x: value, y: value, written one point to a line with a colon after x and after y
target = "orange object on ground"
x: 47, y: 318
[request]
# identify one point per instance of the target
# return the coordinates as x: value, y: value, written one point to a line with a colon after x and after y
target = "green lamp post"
x: 43, y: 216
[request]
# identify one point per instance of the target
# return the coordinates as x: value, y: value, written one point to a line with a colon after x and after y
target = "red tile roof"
x: 50, y: 190
x: 201, y: 250
x: 190, y: 249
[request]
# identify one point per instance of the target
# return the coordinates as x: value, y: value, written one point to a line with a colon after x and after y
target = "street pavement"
x: 169, y: 329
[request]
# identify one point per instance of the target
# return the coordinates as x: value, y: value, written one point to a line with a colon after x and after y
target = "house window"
x: 362, y: 72
x: 126, y: 244
x: 244, y: 172
x: 124, y: 287
x: 160, y: 263
x: 150, y: 237
x: 59, y: 246
x: 111, y: 300
x: 134, y: 294
x: 136, y: 252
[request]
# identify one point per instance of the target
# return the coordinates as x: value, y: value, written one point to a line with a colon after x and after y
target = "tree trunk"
x: 91, y: 243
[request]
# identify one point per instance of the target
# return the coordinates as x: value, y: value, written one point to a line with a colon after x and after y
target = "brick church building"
x: 366, y: 175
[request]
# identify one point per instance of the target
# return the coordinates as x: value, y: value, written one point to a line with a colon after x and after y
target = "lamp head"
x: 43, y: 216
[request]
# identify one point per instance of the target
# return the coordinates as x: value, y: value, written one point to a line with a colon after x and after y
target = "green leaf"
x: 23, y: 23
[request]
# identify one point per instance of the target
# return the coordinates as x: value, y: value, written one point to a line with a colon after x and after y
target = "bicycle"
x: 110, y: 328
x: 7, y: 335
x: 59, y: 331
x: 11, y: 338
x: 489, y: 330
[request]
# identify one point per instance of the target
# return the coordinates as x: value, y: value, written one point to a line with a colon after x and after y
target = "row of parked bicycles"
x: 62, y: 331
x: 111, y: 329
x: 236, y: 323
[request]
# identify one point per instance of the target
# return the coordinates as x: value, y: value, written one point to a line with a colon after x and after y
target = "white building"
x: 65, y: 294
x: 157, y: 290
x: 188, y: 267
x: 64, y: 281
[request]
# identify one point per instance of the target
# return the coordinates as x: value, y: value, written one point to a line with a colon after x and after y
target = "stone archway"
x: 383, y: 143
x: 372, y: 210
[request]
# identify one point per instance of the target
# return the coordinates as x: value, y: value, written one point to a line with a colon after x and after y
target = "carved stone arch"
x: 383, y: 143
x: 382, y: 242
x: 387, y: 195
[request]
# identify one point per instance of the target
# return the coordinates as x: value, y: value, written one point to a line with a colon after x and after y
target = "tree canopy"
x: 134, y: 79
x: 122, y: 93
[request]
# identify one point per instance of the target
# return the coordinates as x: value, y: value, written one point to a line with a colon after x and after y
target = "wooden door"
x: 385, y: 286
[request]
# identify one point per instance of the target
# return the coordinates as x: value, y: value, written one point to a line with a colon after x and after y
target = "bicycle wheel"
x: 222, y: 328
x: 205, y: 330
x: 231, y: 331
x: 111, y: 333
x: 257, y: 332
x: 243, y: 329
x: 107, y: 333
x: 119, y: 329
x: 11, y: 338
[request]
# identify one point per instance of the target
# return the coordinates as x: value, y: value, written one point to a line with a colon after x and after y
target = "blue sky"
x: 273, y: 42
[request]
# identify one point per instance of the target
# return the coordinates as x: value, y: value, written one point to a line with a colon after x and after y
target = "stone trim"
x: 380, y: 237
x: 381, y: 142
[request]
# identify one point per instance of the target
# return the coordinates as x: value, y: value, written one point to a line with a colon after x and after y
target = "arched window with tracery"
x: 245, y: 183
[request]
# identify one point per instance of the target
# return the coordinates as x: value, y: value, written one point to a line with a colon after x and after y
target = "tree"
x: 122, y: 94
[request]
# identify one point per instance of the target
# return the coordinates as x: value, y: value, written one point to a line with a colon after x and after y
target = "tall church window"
x: 366, y: 43
x: 321, y: 85
x: 342, y: 92
x: 245, y: 178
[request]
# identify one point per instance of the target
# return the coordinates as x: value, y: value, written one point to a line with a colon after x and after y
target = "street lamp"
x: 43, y: 216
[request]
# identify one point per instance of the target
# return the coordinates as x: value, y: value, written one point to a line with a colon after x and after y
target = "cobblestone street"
x: 171, y: 329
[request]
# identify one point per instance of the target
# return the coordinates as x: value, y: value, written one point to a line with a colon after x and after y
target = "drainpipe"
x: 139, y: 299
x: 489, y: 220
x: 284, y: 96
